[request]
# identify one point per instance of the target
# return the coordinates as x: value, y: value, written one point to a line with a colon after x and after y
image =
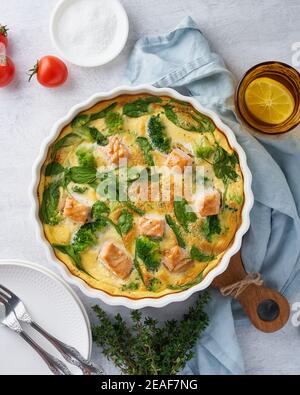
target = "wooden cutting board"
x: 267, y: 309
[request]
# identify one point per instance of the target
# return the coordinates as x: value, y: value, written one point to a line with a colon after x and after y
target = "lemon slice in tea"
x: 269, y: 101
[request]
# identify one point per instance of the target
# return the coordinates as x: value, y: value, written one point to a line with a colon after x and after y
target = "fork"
x: 69, y: 353
x: 10, y: 320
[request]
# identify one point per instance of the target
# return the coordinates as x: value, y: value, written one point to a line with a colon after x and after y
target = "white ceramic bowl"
x: 107, y: 55
x: 145, y: 302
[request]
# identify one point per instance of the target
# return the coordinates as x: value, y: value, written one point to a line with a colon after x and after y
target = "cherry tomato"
x: 3, y: 35
x: 51, y: 71
x: 7, y: 71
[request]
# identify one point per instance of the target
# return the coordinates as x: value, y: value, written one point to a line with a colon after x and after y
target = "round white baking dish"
x: 145, y: 302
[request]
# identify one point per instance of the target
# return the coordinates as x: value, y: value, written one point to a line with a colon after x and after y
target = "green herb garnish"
x: 154, y: 285
x: 130, y: 287
x: 147, y: 347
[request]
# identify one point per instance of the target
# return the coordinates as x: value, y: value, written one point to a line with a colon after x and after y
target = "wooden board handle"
x: 267, y: 309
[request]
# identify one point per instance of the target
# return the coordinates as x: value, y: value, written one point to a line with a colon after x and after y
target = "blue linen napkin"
x: 182, y: 59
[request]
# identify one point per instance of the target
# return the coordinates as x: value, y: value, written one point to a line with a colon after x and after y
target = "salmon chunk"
x: 176, y: 259
x: 179, y: 158
x: 116, y: 150
x: 116, y: 260
x: 209, y: 203
x: 152, y: 227
x: 76, y: 211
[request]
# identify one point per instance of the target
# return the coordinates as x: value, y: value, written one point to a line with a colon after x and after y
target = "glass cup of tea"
x: 268, y: 98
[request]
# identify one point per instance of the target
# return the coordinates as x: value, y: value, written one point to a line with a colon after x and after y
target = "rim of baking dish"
x: 148, y: 301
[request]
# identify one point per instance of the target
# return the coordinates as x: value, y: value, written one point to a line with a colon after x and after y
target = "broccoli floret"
x: 204, y: 151
x: 86, y: 235
x: 99, y: 209
x: 148, y: 251
x: 84, y: 238
x: 114, y: 122
x: 156, y: 131
x: 125, y: 222
x: 85, y: 157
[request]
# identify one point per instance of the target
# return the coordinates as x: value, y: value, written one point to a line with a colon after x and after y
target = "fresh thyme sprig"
x: 147, y: 347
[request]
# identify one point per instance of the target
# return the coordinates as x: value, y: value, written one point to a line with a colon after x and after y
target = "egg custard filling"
x: 141, y: 196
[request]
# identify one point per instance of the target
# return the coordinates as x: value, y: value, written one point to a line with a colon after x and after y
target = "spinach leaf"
x: 125, y: 222
x: 69, y: 250
x: 48, y: 211
x: 206, y: 124
x: 85, y: 157
x: 84, y: 119
x: 211, y: 227
x: 224, y: 165
x: 140, y: 107
x: 188, y: 121
x: 186, y: 124
x: 175, y: 228
x: 135, y: 209
x: 98, y: 137
x: 147, y: 149
x: 80, y: 120
x: 184, y: 214
x: 198, y: 255
x: 114, y: 122
x: 148, y: 251
x: 82, y: 175
x: 53, y: 169
x: 66, y: 141
x: 99, y: 209
x: 158, y: 137
x: 102, y: 114
x: 92, y: 134
x: 188, y: 285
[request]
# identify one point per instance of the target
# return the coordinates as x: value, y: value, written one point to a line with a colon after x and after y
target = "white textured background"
x: 245, y: 32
